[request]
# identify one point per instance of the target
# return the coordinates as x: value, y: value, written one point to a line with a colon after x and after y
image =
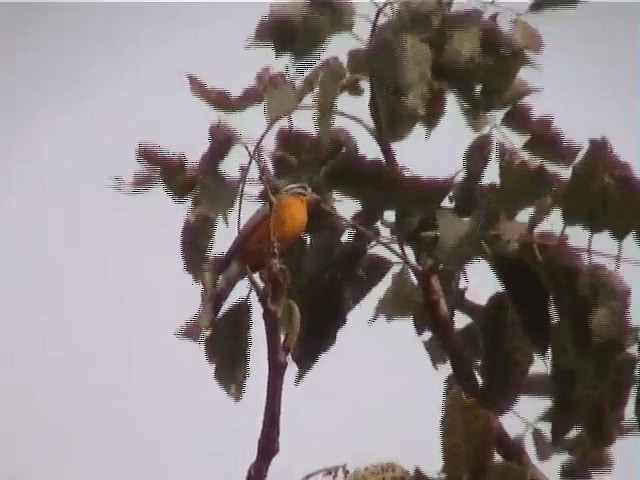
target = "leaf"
x: 333, y: 72
x: 435, y: 107
x: 637, y: 405
x: 301, y: 28
x: 221, y: 99
x: 526, y: 36
x: 417, y: 71
x: 371, y: 272
x: 400, y: 298
x: 468, y: 337
x: 602, y: 193
x: 541, y: 210
x: 380, y: 471
x: 519, y: 118
x: 141, y: 181
x: 468, y: 437
x: 177, y: 178
x: 352, y: 86
x: 542, y: 5
x: 477, y: 156
x: 458, y: 239
x: 462, y: 47
x: 329, y: 291
x: 543, y: 448
x: 507, y: 353
x: 507, y: 471
x: 280, y: 95
x: 528, y: 294
x: 545, y: 139
x: 475, y: 160
x: 549, y: 143
x: 518, y: 90
x: 357, y: 63
x: 196, y: 236
x: 522, y: 183
x: 290, y: 319
x: 399, y: 73
x: 216, y: 195
x: 222, y: 138
x: 227, y: 348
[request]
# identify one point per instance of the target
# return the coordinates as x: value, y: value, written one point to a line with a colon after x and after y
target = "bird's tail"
x: 212, y: 302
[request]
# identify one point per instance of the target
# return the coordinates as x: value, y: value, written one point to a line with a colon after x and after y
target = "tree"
x: 420, y: 57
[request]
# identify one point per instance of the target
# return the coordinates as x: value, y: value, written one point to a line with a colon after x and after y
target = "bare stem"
x: 269, y: 441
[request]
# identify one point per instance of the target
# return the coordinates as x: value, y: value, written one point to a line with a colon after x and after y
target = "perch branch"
x: 271, y: 298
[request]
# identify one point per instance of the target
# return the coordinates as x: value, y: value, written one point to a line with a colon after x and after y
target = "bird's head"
x: 302, y: 189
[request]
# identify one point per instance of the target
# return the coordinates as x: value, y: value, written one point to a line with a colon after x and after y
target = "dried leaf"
x: 196, y: 236
x: 179, y: 180
x: 290, y: 319
x: 522, y: 183
x: 477, y: 156
x: 519, y: 118
x: 352, y: 86
x: 435, y: 107
x: 518, y: 90
x: 280, y: 95
x: 222, y: 138
x: 380, y: 471
x: 468, y: 436
x: 462, y: 49
x: 302, y: 28
x: 526, y: 36
x: 602, y: 193
x: 141, y: 181
x: 227, y: 348
x: 549, y: 143
x: 400, y: 73
x: 221, y: 99
x: 333, y: 72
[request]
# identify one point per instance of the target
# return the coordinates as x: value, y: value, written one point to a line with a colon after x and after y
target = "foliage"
x: 422, y: 56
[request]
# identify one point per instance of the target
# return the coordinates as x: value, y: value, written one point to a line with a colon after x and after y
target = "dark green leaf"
x: 227, y: 348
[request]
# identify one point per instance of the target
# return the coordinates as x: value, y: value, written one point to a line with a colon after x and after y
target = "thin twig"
x: 354, y: 118
x: 326, y: 470
x: 387, y: 245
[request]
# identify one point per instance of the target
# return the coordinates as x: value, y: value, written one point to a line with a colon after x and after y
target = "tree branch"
x: 271, y: 299
x: 442, y: 328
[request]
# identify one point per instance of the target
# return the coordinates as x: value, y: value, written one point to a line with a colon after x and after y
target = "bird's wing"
x: 246, y: 231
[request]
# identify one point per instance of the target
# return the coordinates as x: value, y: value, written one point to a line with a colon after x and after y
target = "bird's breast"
x: 287, y: 220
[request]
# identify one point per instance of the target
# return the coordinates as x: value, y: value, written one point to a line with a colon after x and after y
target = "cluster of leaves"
x: 421, y: 53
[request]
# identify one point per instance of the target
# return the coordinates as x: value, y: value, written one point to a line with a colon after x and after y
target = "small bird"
x: 250, y: 250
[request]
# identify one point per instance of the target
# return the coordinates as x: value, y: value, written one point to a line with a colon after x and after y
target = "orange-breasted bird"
x: 250, y: 250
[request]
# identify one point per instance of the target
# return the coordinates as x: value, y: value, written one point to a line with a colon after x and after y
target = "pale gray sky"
x: 93, y: 385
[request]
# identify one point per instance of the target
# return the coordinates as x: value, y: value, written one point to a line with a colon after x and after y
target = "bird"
x: 251, y: 249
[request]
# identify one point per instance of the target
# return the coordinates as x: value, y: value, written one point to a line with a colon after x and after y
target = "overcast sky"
x: 93, y: 385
